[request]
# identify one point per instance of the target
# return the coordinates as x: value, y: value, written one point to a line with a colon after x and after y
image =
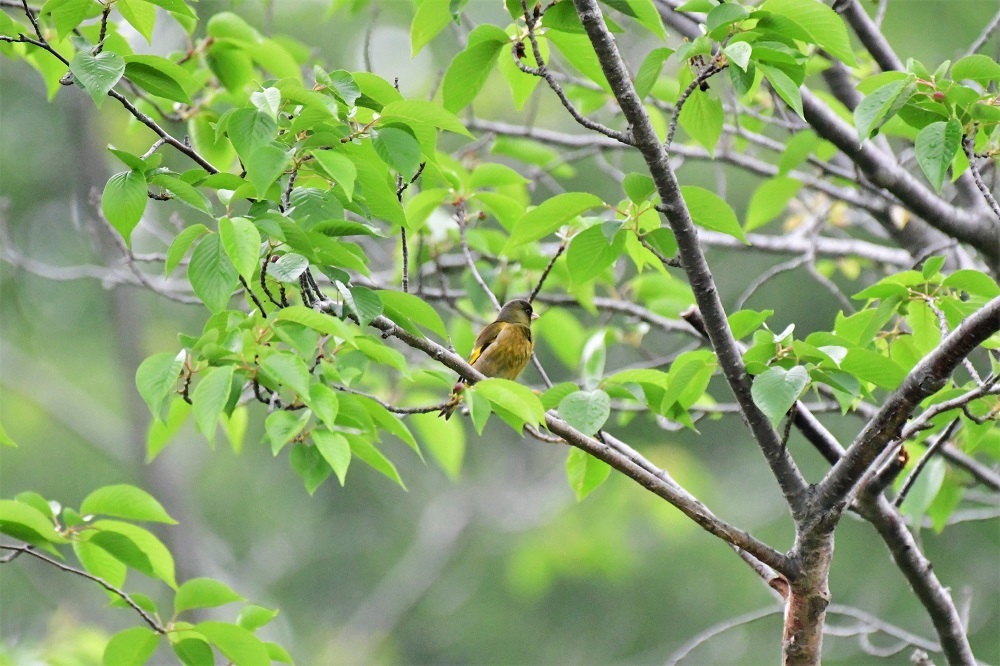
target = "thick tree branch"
x: 869, y: 34
x: 928, y: 377
x: 917, y: 569
x: 615, y: 453
x: 919, y: 572
x: 884, y: 172
x: 790, y: 479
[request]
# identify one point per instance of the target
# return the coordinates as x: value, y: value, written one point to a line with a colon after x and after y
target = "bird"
x: 502, y: 349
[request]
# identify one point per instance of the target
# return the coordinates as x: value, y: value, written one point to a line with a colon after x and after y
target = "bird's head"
x: 517, y: 311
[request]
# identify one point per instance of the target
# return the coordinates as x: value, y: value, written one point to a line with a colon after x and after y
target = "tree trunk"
x: 808, y: 597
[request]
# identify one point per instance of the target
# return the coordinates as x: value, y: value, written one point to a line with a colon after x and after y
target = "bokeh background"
x: 502, y: 565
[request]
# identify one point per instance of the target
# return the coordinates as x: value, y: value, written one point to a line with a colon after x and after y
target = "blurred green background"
x: 502, y: 566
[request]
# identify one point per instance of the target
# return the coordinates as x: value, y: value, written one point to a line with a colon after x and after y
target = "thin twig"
x: 28, y: 550
x: 462, y: 222
x: 253, y: 297
x: 968, y: 143
x: 545, y: 273
x: 709, y: 71
x: 104, y: 29
x: 987, y: 31
x: 924, y: 459
x: 543, y: 72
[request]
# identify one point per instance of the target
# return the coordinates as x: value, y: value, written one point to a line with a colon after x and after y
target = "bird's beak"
x: 534, y: 316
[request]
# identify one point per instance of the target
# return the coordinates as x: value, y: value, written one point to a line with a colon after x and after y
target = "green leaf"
x: 278, y: 653
x: 140, y: 14
x: 689, y: 376
x: 100, y: 562
x: 236, y: 643
x: 241, y: 241
x: 577, y: 50
x: 873, y: 111
x: 210, y: 397
x: 549, y: 216
x: 398, y: 148
x: 745, y: 322
x: 213, y: 276
x: 156, y: 378
x: 400, y: 305
x: 27, y: 523
x: 179, y: 246
x: 264, y: 165
x: 649, y: 70
x: 925, y: 488
x: 797, y: 150
x: 585, y: 472
x: 288, y: 268
x: 738, y: 53
x: 468, y: 72
x: 973, y: 282
x: 289, y: 370
x: 97, y: 74
x: 322, y: 400
x: 936, y: 146
x: 137, y: 547
x: 776, y: 390
x: 318, y: 321
x: 724, y: 15
x: 367, y: 453
x: 124, y: 201
x: 5, y: 439
x: 786, y: 88
x: 643, y: 11
x: 710, y: 211
x: 335, y: 449
x: 424, y: 112
x: 125, y: 501
x: 131, y: 646
x: 250, y: 130
x: 431, y: 18
x: 192, y: 650
x: 517, y: 399
x: 68, y: 14
x: 282, y: 427
x: 234, y: 427
x: 203, y: 593
x: 870, y: 366
x: 175, y: 7
x: 822, y: 25
x: 491, y: 174
x: 702, y: 118
x: 587, y: 411
x: 770, y: 200
x: 253, y: 617
x: 552, y: 397
x: 638, y: 187
x: 182, y: 191
x: 160, y: 76
x: 979, y: 68
x: 339, y: 168
x: 161, y: 432
x: 589, y: 253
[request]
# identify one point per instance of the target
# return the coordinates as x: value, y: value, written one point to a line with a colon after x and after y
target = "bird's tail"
x: 453, y: 402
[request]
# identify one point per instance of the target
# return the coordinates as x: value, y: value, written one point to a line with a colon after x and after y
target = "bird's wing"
x: 485, y: 339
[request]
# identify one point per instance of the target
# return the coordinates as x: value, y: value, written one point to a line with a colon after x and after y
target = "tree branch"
x: 789, y: 478
x: 928, y: 377
x: 615, y: 453
x: 884, y: 172
x: 28, y: 550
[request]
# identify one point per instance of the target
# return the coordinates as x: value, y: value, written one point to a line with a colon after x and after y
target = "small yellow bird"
x: 502, y: 349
